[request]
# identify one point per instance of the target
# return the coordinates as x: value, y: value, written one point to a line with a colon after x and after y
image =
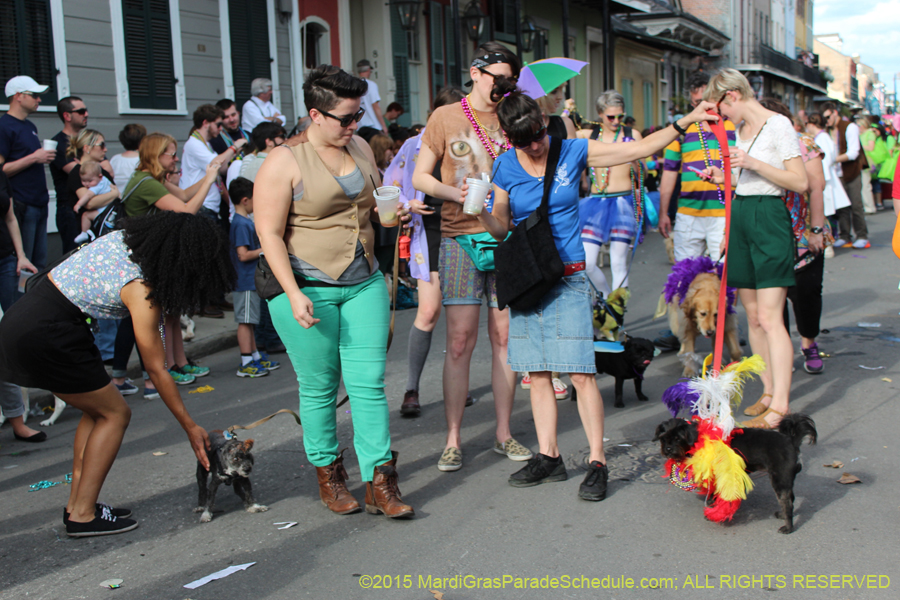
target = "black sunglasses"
x: 495, y: 76
x: 346, y: 120
x: 537, y: 137
x: 615, y: 117
x: 80, y: 111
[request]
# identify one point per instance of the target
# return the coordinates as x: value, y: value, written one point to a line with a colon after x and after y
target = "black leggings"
x: 806, y: 297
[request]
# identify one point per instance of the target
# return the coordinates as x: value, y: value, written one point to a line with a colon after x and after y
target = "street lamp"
x: 529, y: 29
x: 408, y: 12
x: 474, y: 20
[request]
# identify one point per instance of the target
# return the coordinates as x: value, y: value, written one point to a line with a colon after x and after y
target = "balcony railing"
x: 765, y: 55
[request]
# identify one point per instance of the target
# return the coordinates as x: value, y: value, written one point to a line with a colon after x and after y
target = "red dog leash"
x: 718, y: 129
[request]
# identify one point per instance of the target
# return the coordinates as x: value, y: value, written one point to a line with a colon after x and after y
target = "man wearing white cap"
x: 23, y: 159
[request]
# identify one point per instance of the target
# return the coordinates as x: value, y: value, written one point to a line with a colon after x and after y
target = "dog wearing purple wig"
x: 692, y: 296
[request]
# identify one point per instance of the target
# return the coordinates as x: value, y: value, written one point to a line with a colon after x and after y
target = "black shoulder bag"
x: 528, y: 263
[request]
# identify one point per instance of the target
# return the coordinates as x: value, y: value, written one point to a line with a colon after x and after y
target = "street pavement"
x: 646, y: 540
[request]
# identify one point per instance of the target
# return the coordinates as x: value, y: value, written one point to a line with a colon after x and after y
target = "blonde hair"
x: 728, y: 80
x: 89, y: 168
x: 85, y: 137
x: 151, y: 148
x: 546, y: 104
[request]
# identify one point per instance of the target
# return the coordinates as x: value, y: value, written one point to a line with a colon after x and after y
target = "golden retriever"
x: 696, y: 314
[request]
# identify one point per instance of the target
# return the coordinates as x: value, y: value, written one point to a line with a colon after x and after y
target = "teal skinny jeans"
x: 350, y: 340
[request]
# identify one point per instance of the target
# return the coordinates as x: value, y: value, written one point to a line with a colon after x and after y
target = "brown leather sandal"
x: 758, y: 408
x: 760, y: 421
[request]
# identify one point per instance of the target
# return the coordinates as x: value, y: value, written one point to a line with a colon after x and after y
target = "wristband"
x: 232, y: 148
x: 681, y: 130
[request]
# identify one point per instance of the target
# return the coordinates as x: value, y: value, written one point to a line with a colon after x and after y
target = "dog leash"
x: 396, y: 272
x: 718, y: 129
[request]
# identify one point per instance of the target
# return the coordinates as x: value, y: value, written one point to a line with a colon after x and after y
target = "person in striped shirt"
x: 700, y: 220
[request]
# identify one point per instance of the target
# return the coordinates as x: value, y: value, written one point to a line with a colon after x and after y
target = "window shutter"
x: 400, y: 49
x: 452, y: 36
x: 249, y: 28
x: 26, y: 35
x: 436, y: 21
x: 148, y: 54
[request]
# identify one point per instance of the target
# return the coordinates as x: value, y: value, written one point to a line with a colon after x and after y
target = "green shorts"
x: 760, y: 243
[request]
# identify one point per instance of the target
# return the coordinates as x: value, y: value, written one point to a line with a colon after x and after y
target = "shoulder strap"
x: 595, y: 132
x: 740, y: 171
x: 627, y: 132
x: 550, y: 172
x: 136, y: 186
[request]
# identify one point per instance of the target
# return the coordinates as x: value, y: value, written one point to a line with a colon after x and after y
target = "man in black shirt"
x: 231, y: 130
x: 74, y: 115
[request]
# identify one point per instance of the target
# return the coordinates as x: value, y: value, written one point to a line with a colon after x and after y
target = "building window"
x: 628, y: 95
x: 648, y: 106
x: 248, y: 28
x: 504, y: 18
x: 541, y: 43
x: 412, y: 46
x: 148, y: 56
x: 32, y: 42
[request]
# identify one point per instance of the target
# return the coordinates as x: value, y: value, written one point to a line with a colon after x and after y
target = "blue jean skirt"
x: 557, y: 334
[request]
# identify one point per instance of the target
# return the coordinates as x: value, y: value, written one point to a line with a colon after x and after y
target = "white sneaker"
x: 861, y: 244
x: 840, y: 243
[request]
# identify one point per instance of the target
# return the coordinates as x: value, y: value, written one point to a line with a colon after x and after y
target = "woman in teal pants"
x: 313, y: 204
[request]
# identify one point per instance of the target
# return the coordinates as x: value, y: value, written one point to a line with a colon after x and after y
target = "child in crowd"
x: 245, y: 251
x: 92, y: 178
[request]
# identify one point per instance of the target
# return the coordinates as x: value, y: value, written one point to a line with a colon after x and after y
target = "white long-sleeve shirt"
x: 852, y: 134
x: 255, y: 112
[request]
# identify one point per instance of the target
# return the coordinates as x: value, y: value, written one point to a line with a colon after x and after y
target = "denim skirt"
x: 557, y: 334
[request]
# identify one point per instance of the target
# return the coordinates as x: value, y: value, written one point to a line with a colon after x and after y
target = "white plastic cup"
x: 50, y: 144
x: 475, y: 197
x: 387, y: 199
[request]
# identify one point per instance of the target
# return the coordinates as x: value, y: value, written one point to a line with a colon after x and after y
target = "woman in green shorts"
x: 760, y: 239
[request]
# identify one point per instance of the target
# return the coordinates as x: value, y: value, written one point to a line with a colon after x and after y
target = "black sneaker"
x: 119, y: 513
x: 593, y: 487
x: 104, y: 524
x: 540, y: 469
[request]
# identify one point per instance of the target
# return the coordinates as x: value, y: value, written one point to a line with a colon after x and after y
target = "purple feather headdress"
x: 680, y: 397
x: 683, y: 274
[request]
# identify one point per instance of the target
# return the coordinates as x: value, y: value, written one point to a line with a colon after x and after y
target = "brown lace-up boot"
x: 333, y: 490
x: 383, y: 493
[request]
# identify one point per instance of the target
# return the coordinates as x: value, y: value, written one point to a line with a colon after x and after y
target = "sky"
x: 870, y: 28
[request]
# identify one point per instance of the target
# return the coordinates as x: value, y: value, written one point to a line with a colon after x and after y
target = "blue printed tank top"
x: 93, y: 277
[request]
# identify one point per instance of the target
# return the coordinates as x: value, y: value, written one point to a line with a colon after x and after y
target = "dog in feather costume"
x: 710, y: 455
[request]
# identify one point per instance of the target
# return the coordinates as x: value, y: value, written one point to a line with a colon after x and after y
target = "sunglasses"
x: 100, y: 145
x: 80, y: 111
x: 495, y: 76
x: 537, y: 137
x: 721, y: 100
x: 615, y: 117
x: 347, y: 119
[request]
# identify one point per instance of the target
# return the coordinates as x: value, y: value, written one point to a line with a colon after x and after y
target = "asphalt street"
x: 473, y: 533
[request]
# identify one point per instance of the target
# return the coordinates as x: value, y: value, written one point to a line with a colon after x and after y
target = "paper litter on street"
x: 218, y: 575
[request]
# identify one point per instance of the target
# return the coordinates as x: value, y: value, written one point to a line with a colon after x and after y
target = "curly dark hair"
x: 184, y: 259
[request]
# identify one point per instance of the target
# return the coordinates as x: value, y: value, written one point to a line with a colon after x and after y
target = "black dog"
x: 230, y: 462
x: 775, y: 451
x: 629, y: 364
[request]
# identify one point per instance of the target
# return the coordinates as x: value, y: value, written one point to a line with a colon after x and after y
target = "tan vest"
x: 324, y: 226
